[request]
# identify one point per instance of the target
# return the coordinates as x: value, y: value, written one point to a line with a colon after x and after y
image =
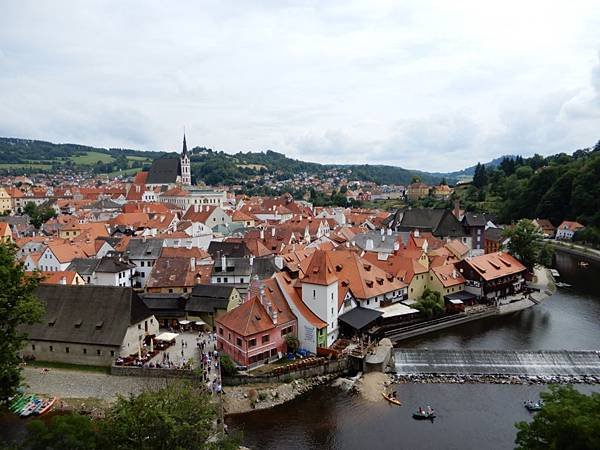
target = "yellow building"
x: 446, y: 280
x: 5, y: 201
x: 416, y: 191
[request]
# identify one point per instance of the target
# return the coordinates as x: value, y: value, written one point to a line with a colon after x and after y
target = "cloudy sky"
x: 431, y: 85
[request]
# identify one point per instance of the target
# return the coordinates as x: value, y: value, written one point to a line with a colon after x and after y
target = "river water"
x: 469, y: 416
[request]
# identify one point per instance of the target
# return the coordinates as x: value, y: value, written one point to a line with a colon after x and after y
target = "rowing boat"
x: 390, y: 399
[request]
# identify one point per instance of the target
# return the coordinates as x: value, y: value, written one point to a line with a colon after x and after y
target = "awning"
x: 359, y: 317
x: 456, y: 301
x: 397, y: 309
x: 183, y: 322
x: 463, y: 296
x: 166, y: 337
x: 200, y: 322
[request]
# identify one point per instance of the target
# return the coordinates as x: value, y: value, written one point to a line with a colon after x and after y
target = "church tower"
x: 186, y: 172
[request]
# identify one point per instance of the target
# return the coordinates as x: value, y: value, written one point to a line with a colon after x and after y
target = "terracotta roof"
x: 320, y: 269
x: 568, y: 225
x: 289, y: 286
x: 67, y: 252
x: 199, y: 213
x: 495, y: 265
x: 403, y: 265
x: 247, y: 319
x: 56, y: 277
x: 448, y: 275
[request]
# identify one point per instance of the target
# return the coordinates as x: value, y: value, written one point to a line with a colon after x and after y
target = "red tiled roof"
x: 247, y: 319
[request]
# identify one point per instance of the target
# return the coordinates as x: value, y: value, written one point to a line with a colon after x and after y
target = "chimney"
x: 63, y: 280
x: 457, y: 208
x: 369, y: 244
x: 192, y: 264
x: 273, y: 232
x: 195, y: 208
x: 454, y: 273
x: 389, y: 231
x: 416, y: 233
x: 262, y: 234
x: 223, y: 263
x: 144, y: 239
x: 396, y: 246
x: 382, y: 231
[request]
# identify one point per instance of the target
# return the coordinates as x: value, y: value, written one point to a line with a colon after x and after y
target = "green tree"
x: 64, y: 432
x: 430, y: 304
x: 179, y: 416
x: 292, y: 342
x: 525, y: 242
x: 568, y: 420
x: 480, y: 176
x: 18, y: 306
x: 228, y: 367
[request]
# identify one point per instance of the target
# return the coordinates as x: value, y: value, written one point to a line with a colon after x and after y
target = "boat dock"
x: 497, y: 362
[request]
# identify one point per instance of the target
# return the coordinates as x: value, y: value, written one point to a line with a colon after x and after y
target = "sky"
x: 428, y: 85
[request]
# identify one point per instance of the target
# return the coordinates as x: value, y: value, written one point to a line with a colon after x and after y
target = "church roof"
x: 164, y: 171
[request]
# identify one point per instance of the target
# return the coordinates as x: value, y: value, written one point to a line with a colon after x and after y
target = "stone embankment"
x: 494, y: 379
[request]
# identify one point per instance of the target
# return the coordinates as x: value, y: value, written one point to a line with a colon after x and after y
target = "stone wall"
x: 331, y: 367
x: 147, y: 372
x: 88, y: 354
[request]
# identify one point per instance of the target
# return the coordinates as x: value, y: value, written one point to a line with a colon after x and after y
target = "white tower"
x: 186, y: 172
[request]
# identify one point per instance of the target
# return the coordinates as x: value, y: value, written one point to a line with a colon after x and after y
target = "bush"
x: 228, y: 367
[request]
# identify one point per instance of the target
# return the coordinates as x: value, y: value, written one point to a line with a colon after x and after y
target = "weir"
x: 497, y: 362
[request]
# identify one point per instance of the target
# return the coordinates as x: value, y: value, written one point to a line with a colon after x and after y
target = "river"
x: 469, y: 416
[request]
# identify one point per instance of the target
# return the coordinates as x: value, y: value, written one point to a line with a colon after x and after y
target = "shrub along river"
x: 469, y: 415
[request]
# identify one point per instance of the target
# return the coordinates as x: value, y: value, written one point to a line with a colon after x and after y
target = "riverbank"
x: 576, y: 250
x: 250, y: 397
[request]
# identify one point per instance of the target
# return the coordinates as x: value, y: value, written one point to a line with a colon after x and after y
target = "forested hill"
x: 26, y: 156
x: 19, y: 156
x: 558, y: 187
x: 213, y: 166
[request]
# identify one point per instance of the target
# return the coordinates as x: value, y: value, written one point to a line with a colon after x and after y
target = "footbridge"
x: 497, y: 362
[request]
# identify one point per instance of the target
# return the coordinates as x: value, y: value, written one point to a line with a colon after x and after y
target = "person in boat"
x: 393, y: 395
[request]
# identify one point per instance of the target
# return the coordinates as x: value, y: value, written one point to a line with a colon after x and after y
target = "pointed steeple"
x: 184, y: 152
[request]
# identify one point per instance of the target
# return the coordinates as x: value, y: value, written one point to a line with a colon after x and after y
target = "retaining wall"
x: 331, y: 367
x: 131, y: 371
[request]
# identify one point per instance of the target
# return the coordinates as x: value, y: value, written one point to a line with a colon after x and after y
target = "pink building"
x: 254, y: 332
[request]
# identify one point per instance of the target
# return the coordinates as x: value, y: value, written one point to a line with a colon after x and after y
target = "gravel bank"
x: 79, y: 384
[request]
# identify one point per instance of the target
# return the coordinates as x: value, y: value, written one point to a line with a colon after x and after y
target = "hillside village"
x: 122, y: 262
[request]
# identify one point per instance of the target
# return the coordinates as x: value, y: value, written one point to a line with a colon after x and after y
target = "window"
x: 368, y: 301
x: 265, y: 339
x: 238, y: 341
x: 139, y: 326
x: 252, y: 343
x: 142, y: 264
x: 66, y: 349
x: 314, y: 293
x: 99, y: 352
x: 112, y: 353
x: 33, y: 347
x: 225, y: 280
x: 332, y: 311
x: 218, y: 279
x: 85, y: 351
x: 221, y: 331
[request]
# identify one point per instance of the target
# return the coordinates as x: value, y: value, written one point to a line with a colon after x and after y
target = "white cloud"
x: 422, y: 84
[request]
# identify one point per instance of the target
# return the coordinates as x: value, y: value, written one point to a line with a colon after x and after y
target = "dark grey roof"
x: 264, y: 267
x: 87, y: 314
x: 87, y: 266
x: 359, y: 317
x: 83, y: 266
x: 103, y: 204
x: 209, y: 298
x: 233, y: 267
x: 168, y: 304
x: 386, y: 245
x: 474, y: 220
x: 440, y: 222
x: 164, y: 171
x: 228, y: 249
x: 144, y: 248
x: 494, y: 234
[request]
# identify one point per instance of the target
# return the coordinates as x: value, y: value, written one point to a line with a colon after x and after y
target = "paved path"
x: 496, y: 362
x: 79, y: 384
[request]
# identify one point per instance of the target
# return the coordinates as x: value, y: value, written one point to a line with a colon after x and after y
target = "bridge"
x: 497, y: 362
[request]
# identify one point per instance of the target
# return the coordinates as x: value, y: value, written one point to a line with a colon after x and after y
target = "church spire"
x: 184, y: 152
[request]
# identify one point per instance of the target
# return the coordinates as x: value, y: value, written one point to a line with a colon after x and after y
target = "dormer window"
x: 78, y: 323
